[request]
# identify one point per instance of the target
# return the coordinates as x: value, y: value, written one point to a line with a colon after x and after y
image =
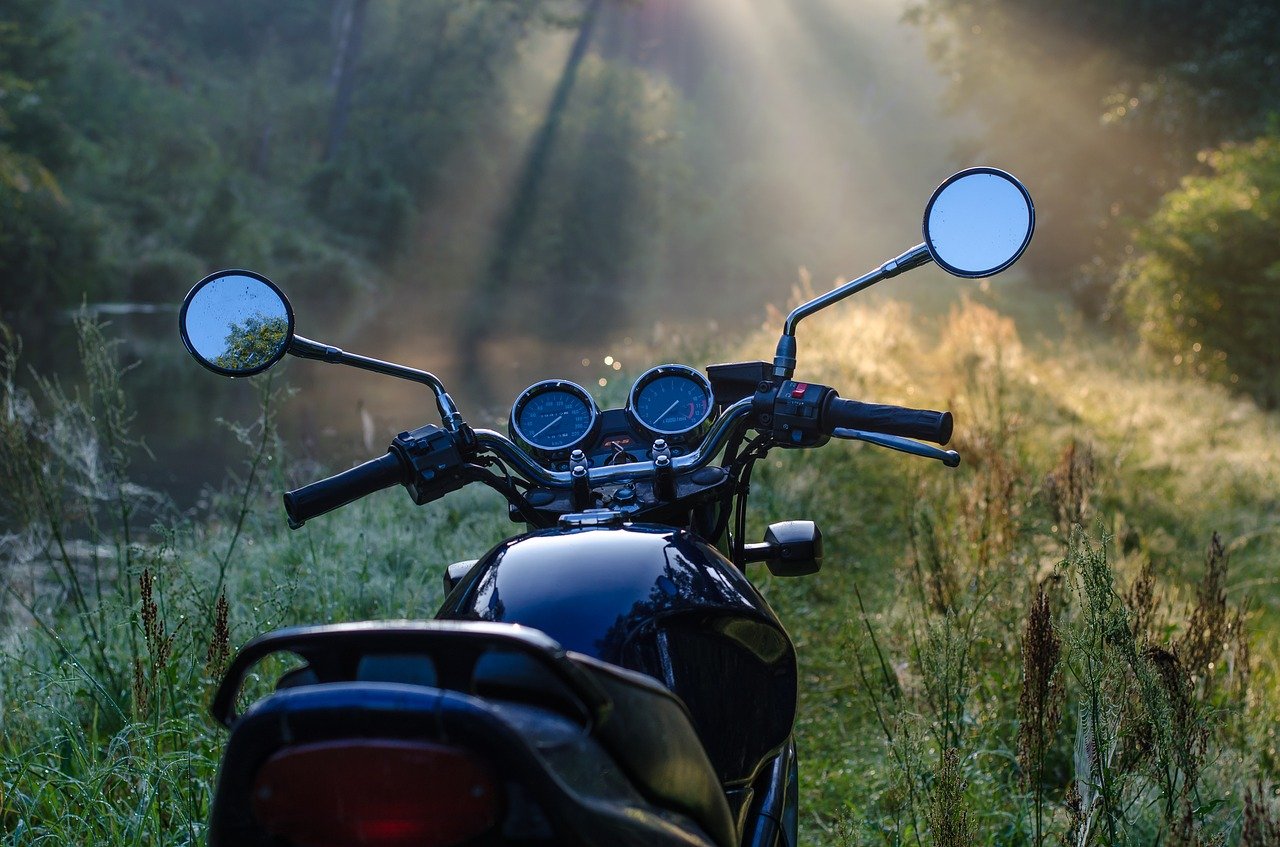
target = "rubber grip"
x: 921, y: 424
x: 307, y: 502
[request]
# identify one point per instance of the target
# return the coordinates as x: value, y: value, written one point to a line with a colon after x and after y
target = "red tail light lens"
x: 376, y: 793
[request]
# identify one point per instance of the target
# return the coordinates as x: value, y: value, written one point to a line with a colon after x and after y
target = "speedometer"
x: 673, y: 402
x: 552, y: 417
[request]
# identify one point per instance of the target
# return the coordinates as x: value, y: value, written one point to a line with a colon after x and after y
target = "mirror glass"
x: 978, y: 222
x: 236, y: 323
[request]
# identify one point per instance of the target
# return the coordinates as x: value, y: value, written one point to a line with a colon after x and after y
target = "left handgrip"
x: 307, y: 502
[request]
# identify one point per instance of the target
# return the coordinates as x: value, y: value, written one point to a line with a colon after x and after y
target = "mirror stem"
x: 305, y: 348
x: 784, y: 360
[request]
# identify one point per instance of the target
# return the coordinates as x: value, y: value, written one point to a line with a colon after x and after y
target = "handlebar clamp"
x: 432, y: 455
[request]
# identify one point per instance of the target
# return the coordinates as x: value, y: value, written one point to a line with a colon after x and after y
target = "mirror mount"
x: 977, y: 223
x: 238, y: 323
x: 784, y: 360
x: 305, y: 348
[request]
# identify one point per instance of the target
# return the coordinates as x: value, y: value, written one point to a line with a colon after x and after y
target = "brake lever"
x: 950, y: 458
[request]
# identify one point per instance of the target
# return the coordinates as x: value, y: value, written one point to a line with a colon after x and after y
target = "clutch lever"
x: 950, y: 458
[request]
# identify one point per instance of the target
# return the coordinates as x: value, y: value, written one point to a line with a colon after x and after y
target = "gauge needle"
x: 668, y: 411
x: 548, y: 426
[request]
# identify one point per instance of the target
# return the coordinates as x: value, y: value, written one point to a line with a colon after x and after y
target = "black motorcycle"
x: 609, y: 676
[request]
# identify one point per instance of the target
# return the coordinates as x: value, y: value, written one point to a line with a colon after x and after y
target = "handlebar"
x: 923, y: 424
x: 315, y: 499
x: 836, y: 414
x: 533, y: 472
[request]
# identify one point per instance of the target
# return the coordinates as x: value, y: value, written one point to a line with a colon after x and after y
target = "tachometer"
x: 673, y: 402
x: 552, y: 417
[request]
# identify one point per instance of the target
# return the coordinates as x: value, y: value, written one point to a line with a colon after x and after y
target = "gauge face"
x: 553, y: 416
x: 671, y: 400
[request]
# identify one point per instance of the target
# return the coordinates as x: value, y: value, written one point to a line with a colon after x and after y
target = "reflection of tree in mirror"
x: 254, y: 343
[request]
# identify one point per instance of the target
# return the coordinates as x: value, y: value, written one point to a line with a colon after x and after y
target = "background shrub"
x: 1203, y: 287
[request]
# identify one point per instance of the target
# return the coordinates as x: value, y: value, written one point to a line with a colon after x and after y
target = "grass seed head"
x: 1039, y: 706
x: 220, y: 643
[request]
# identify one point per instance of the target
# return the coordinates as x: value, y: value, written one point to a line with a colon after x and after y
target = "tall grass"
x: 114, y: 633
x: 1033, y: 649
x: 1049, y: 634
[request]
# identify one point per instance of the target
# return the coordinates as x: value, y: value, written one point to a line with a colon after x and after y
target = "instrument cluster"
x: 552, y: 418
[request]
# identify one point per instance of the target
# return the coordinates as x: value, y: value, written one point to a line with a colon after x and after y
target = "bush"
x: 49, y: 252
x: 1203, y: 287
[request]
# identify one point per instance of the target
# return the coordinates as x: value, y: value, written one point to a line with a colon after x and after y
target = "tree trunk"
x: 488, y: 292
x: 342, y: 79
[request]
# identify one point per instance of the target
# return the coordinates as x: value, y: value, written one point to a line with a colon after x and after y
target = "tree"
x: 350, y: 38
x: 1102, y: 105
x: 1203, y: 290
x: 253, y: 343
x: 520, y: 215
x: 46, y: 244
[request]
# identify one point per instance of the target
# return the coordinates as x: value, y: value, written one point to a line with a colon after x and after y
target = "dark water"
x: 335, y: 415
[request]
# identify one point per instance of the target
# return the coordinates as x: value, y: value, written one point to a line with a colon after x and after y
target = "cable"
x: 740, y: 472
x: 507, y: 489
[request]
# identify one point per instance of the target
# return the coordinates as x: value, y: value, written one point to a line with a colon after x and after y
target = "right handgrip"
x: 307, y: 502
x: 923, y: 424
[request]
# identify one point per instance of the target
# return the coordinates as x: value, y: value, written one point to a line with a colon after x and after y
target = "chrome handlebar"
x: 531, y: 471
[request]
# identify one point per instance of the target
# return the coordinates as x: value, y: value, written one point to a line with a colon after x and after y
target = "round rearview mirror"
x: 236, y: 323
x: 978, y: 222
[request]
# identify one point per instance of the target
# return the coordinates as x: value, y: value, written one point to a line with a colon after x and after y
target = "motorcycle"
x: 610, y: 675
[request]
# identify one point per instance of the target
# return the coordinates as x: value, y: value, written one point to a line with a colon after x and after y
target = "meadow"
x: 1072, y: 638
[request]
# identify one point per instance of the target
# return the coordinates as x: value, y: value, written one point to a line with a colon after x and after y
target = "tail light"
x: 377, y: 793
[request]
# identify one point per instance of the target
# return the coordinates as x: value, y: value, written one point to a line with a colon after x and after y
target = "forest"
x: 1070, y: 639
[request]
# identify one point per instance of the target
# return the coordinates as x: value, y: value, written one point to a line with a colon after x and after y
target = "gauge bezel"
x: 542, y: 451
x: 686, y: 435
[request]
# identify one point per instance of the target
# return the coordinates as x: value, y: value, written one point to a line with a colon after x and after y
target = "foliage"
x: 47, y: 243
x: 1202, y: 290
x: 594, y: 233
x: 1103, y: 105
x: 198, y: 136
x: 48, y: 249
x: 915, y: 693
x: 33, y: 53
x: 253, y: 343
x: 72, y: 506
x: 1039, y: 706
x: 195, y: 136
x: 1050, y: 437
x: 103, y: 701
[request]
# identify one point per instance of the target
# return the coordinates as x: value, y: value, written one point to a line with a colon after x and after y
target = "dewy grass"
x: 991, y: 537
x: 918, y: 642
x: 105, y: 743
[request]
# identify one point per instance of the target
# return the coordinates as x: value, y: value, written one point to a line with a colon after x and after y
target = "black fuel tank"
x: 659, y: 601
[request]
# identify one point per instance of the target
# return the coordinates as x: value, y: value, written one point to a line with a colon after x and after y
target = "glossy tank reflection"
x: 659, y: 601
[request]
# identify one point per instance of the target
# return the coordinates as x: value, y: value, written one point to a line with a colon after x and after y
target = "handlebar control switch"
x: 433, y: 456
x: 790, y: 548
x: 797, y: 414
